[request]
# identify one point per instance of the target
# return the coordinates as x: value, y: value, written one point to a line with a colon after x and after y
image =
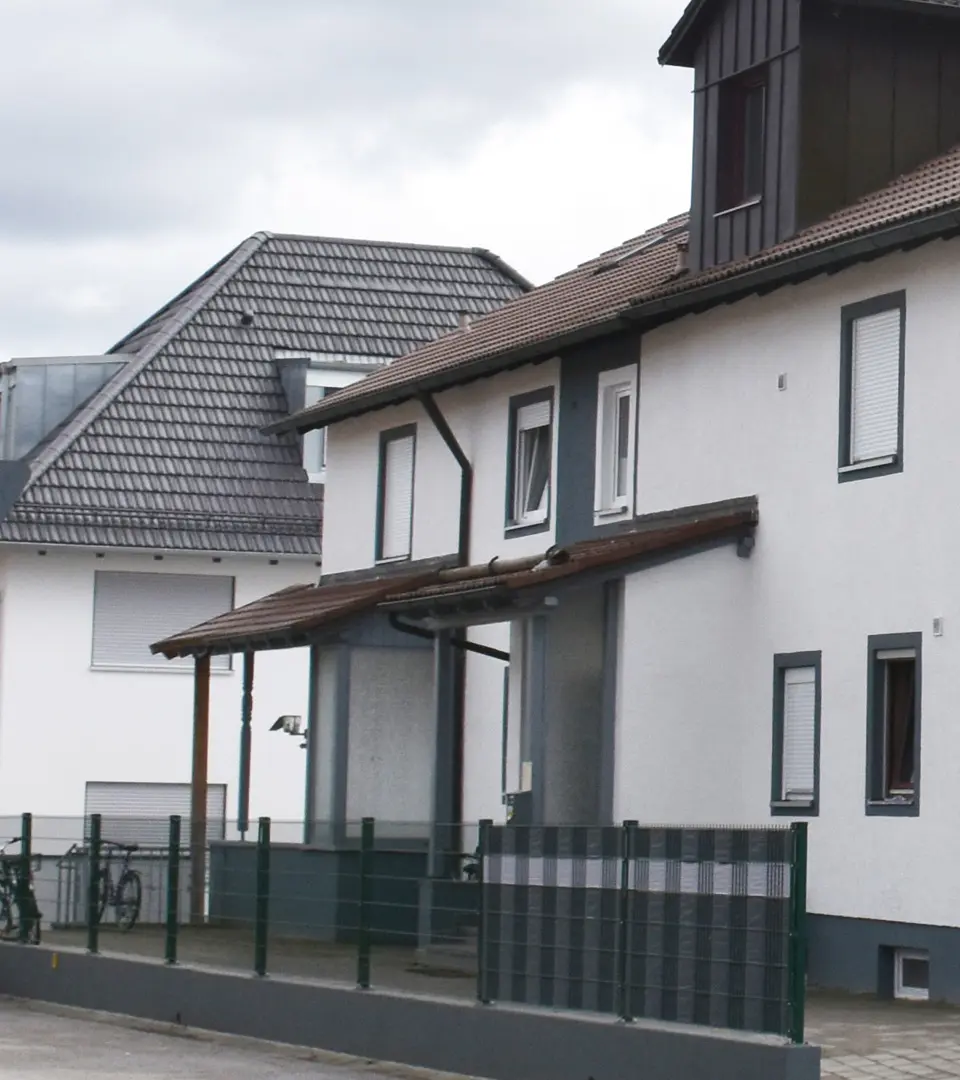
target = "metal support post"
x: 483, y: 846
x: 262, y: 916
x: 798, y: 930
x: 93, y: 887
x: 173, y: 890
x: 363, y: 915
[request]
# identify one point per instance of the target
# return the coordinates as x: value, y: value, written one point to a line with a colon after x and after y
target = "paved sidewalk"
x: 39, y: 1043
x: 864, y: 1039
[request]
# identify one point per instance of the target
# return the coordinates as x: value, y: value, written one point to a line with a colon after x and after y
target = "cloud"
x: 144, y: 138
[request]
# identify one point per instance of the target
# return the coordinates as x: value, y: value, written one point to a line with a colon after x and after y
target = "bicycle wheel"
x: 7, y: 925
x: 126, y: 899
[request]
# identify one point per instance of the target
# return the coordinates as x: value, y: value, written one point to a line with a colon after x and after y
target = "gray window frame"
x: 516, y: 404
x: 782, y: 663
x: 876, y: 805
x: 386, y: 437
x: 848, y: 316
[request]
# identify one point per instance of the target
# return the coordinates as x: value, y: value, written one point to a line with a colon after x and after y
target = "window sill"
x: 612, y: 512
x: 393, y: 559
x: 900, y: 807
x: 756, y: 201
x: 317, y: 477
x: 862, y: 470
x: 788, y: 808
x: 525, y: 528
x: 157, y: 669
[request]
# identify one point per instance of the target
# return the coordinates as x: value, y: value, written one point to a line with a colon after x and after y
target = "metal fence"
x: 695, y: 925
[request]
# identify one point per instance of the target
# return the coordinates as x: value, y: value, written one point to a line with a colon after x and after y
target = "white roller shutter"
x: 533, y: 416
x: 397, y: 514
x: 875, y: 387
x: 799, y: 733
x: 140, y: 813
x: 131, y: 611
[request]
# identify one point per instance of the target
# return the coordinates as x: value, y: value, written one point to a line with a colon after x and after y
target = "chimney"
x: 683, y: 257
x: 463, y: 320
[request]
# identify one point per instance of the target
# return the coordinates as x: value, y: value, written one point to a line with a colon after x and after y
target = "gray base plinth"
x: 499, y: 1042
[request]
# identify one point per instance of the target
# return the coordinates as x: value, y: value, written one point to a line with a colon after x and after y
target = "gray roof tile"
x: 170, y: 453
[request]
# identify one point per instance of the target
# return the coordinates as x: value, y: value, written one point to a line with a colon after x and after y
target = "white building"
x: 139, y: 494
x: 704, y: 486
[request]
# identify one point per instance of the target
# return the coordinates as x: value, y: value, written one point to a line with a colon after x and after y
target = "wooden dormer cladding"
x: 881, y: 95
x: 746, y: 63
x: 803, y: 106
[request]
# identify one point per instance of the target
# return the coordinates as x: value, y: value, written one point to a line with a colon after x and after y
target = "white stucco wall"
x: 479, y: 416
x: 834, y: 563
x: 62, y: 724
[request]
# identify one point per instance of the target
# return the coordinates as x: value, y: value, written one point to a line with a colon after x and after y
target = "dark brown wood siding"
x: 880, y: 95
x: 744, y: 35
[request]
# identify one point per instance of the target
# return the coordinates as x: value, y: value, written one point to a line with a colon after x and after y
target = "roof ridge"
x: 504, y: 267
x: 459, y: 249
x: 205, y: 288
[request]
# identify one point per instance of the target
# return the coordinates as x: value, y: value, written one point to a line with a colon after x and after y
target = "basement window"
x: 893, y: 702
x: 911, y: 974
x: 741, y: 137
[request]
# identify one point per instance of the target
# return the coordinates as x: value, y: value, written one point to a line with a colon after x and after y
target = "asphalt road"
x: 38, y: 1044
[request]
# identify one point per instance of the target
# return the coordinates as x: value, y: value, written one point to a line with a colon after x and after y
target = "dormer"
x: 803, y: 106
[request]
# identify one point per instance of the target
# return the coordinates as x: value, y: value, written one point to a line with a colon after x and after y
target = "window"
x: 315, y: 442
x: 796, y: 734
x: 871, y: 388
x: 139, y: 813
x: 531, y: 460
x: 911, y: 974
x: 893, y: 724
x: 616, y: 425
x: 741, y: 132
x: 131, y: 611
x: 395, y: 493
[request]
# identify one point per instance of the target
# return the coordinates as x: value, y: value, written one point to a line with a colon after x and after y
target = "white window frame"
x: 612, y: 387
x: 520, y: 518
x: 909, y: 993
x: 315, y: 442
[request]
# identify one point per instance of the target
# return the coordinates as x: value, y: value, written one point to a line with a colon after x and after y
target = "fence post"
x: 483, y: 846
x: 797, y: 973
x: 625, y: 1004
x: 25, y: 913
x: 93, y: 887
x: 262, y: 915
x: 363, y: 913
x: 173, y: 890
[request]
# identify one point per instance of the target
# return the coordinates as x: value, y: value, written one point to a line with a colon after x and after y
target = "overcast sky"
x: 140, y: 140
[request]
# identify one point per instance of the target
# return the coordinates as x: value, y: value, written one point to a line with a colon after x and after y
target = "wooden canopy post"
x: 198, y: 788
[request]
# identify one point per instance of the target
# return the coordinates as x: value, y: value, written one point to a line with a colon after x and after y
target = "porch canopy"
x: 436, y: 595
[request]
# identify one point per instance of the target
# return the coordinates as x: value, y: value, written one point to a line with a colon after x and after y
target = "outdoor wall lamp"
x: 291, y: 725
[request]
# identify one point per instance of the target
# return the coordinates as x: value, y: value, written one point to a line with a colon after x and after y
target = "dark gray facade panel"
x: 498, y: 1042
x: 577, y: 434
x: 854, y: 955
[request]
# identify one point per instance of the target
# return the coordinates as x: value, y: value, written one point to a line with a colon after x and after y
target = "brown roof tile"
x: 638, y: 273
x: 284, y: 618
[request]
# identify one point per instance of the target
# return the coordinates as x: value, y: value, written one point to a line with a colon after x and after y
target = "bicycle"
x: 124, y: 896
x: 16, y: 894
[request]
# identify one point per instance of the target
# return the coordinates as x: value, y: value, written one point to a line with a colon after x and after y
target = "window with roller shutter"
x: 132, y: 610
x: 871, y: 391
x: 395, y: 493
x: 796, y: 734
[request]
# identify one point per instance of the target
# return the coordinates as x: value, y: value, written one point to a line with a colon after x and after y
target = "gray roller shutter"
x: 131, y: 611
x: 799, y: 734
x: 397, y: 497
x: 140, y: 813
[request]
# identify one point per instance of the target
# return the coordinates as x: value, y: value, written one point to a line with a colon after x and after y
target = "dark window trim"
x: 388, y: 436
x: 877, y: 806
x: 731, y: 180
x: 545, y: 393
x: 848, y: 315
x: 782, y: 663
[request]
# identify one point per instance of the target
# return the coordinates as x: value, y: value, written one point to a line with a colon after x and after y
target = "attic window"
x: 740, y: 164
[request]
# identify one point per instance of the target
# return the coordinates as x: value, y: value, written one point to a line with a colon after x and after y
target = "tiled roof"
x: 171, y: 455
x: 642, y: 274
x: 295, y: 615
